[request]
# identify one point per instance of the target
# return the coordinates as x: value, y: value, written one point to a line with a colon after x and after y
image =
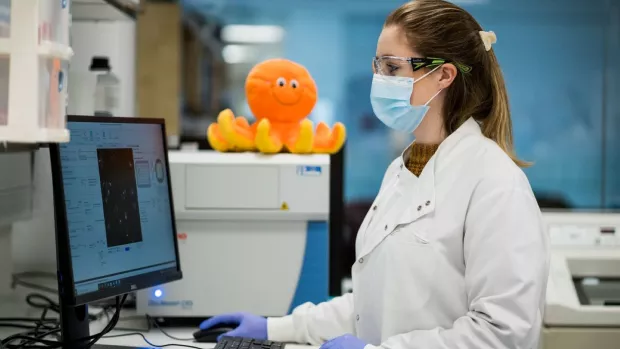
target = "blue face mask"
x: 390, y: 98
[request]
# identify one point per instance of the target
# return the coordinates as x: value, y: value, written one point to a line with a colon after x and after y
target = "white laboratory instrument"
x: 16, y: 189
x: 253, y: 234
x: 583, y: 294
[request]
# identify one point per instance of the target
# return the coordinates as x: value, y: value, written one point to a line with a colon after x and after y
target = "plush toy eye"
x: 281, y: 82
x: 294, y: 84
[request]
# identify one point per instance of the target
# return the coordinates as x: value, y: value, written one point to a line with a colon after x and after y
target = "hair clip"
x: 488, y: 39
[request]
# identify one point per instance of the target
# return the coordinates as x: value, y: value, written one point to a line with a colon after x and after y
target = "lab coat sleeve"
x: 314, y: 324
x: 506, y: 258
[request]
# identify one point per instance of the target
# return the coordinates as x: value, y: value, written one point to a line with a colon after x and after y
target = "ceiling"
x: 112, y: 10
x: 224, y: 8
x: 356, y: 6
x: 276, y: 11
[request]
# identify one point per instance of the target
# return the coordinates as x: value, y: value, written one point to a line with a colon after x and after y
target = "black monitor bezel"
x: 63, y: 251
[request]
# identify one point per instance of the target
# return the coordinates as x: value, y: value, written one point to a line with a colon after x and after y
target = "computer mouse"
x: 210, y: 335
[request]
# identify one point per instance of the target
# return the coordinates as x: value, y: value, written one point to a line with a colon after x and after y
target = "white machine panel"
x: 231, y: 267
x: 232, y: 187
x: 583, y: 229
x: 585, y: 258
x: 250, y: 186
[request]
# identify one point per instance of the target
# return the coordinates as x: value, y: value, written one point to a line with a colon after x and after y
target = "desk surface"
x: 15, y: 306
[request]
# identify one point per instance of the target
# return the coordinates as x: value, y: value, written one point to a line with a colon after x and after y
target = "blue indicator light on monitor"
x: 158, y: 293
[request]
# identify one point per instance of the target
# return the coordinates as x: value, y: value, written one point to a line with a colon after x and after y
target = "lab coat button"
x: 428, y: 203
x: 401, y: 166
x: 374, y: 208
x: 357, y: 317
x: 385, y: 227
x: 361, y: 260
x: 420, y: 208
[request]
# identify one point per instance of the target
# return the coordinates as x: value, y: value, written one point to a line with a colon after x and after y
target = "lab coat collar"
x: 423, y: 198
x: 418, y: 192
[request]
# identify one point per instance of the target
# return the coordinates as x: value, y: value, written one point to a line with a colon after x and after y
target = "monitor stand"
x: 74, y: 324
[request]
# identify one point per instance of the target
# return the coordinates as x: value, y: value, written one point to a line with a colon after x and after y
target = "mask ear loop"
x: 427, y: 74
x: 430, y: 100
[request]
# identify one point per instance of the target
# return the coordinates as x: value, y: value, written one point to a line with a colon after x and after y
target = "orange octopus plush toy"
x: 281, y: 94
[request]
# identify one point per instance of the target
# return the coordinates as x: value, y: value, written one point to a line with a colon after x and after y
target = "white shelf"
x: 46, y: 49
x: 10, y: 135
x: 34, y: 68
x: 54, y: 50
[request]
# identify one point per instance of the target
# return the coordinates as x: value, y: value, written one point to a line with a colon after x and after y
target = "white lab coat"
x: 457, y: 258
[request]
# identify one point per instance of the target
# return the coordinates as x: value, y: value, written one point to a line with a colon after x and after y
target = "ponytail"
x: 497, y: 125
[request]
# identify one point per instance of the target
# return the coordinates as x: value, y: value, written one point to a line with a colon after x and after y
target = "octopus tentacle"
x: 265, y: 140
x: 236, y: 131
x: 303, y: 142
x: 329, y: 141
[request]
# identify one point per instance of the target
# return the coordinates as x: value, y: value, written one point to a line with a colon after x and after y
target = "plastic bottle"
x: 106, y: 89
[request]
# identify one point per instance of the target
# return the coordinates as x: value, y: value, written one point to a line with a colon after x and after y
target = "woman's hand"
x: 346, y: 341
x: 246, y: 325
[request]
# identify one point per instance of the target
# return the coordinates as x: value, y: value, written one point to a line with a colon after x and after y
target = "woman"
x: 452, y: 253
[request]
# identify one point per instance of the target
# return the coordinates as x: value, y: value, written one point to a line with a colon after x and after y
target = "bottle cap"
x: 99, y: 64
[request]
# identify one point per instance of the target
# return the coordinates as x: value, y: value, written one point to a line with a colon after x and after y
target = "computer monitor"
x: 115, y: 226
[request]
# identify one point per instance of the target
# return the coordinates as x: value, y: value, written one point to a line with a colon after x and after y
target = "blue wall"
x: 554, y: 71
x: 612, y: 105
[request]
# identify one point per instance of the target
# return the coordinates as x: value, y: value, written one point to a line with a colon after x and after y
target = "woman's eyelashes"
x: 392, y: 68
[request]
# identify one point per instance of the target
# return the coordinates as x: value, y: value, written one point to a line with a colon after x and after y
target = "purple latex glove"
x: 347, y: 341
x: 246, y: 325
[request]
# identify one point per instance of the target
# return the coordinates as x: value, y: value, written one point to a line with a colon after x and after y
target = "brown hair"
x: 443, y: 30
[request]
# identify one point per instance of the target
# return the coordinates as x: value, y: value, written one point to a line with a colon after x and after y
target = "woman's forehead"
x: 393, y: 42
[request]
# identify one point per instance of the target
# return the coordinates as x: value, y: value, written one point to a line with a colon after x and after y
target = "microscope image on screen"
x: 120, y: 196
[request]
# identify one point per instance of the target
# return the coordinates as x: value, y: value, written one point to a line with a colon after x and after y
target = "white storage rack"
x: 34, y: 60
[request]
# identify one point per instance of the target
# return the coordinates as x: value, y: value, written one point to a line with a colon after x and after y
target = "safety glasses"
x: 404, y: 66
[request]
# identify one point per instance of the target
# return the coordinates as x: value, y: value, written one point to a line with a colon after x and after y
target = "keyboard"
x: 247, y: 343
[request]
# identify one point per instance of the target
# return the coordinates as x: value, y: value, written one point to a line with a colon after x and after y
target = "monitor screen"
x: 119, y: 216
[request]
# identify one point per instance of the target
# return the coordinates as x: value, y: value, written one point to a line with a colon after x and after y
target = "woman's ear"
x: 448, y: 73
